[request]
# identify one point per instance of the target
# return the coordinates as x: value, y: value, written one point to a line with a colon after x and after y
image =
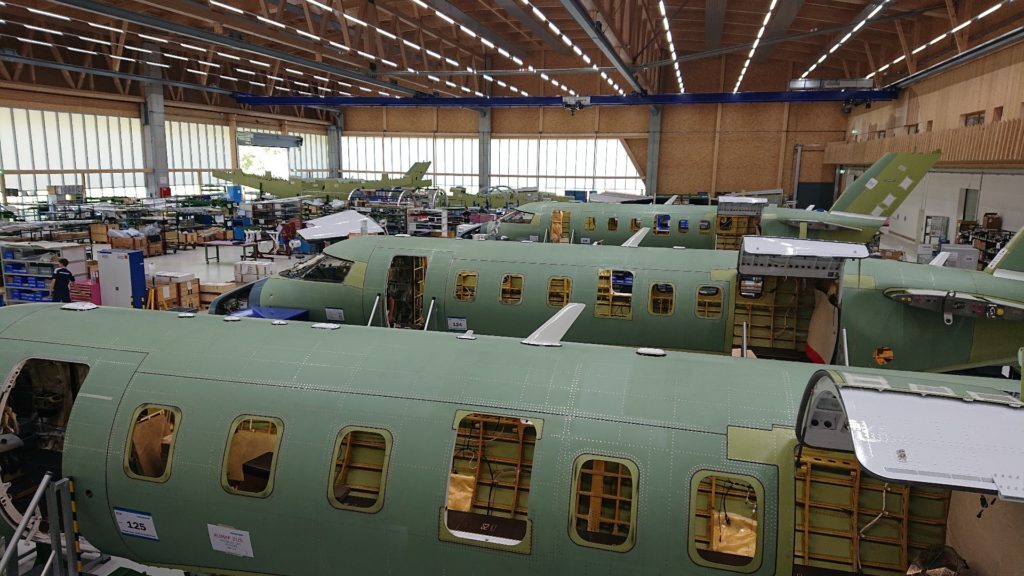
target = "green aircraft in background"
x: 796, y: 297
x: 253, y: 447
x: 338, y: 188
x: 855, y: 217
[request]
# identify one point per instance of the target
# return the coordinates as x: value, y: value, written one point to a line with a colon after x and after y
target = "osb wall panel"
x: 62, y: 103
x: 515, y: 121
x: 456, y: 120
x: 624, y: 119
x: 990, y: 544
x: 753, y: 117
x: 698, y: 76
x: 409, y: 120
x: 561, y: 121
x: 986, y: 83
x: 747, y: 161
x: 689, y: 118
x: 363, y: 119
x: 814, y: 116
x: 637, y: 150
x: 812, y: 164
x: 685, y: 163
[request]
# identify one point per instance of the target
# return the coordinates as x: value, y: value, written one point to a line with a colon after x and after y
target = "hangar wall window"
x: 603, y: 512
x: 251, y: 457
x: 663, y: 299
x: 151, y: 442
x: 614, y: 294
x: 613, y: 224
x: 465, y: 286
x: 559, y: 291
x: 453, y: 161
x: 489, y: 483
x: 589, y: 223
x: 511, y: 289
x: 726, y: 514
x: 321, y: 268
x: 709, y: 302
x: 561, y: 164
x: 360, y: 469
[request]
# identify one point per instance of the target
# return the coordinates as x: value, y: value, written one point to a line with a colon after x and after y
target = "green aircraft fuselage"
x: 330, y: 187
x: 507, y: 289
x: 613, y: 446
x: 856, y: 215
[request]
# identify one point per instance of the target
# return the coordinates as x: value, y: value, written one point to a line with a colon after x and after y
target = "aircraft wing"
x: 820, y: 225
x: 951, y: 304
x: 338, y: 225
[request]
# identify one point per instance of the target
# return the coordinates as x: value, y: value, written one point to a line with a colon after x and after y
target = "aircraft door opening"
x: 561, y: 226
x: 36, y: 410
x: 405, y: 289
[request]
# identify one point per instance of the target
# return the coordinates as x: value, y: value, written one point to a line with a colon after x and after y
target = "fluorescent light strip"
x: 102, y: 27
x: 244, y: 71
x: 561, y: 36
x: 354, y: 20
x: 191, y: 47
x: 81, y: 51
x: 134, y: 49
x: 124, y: 58
x: 672, y: 45
x: 31, y: 41
x: 297, y: 83
x: 174, y: 56
x: 294, y: 71
x: 339, y: 46
x: 845, y: 38
x: 231, y: 78
x: 194, y: 71
x: 321, y: 6
x: 152, y: 38
x: 49, y: 14
x: 44, y: 30
x: 271, y: 22
x: 229, y: 56
x: 211, y: 64
x: 158, y: 64
x: 760, y: 33
x: 87, y: 39
x: 226, y: 7
x: 313, y: 37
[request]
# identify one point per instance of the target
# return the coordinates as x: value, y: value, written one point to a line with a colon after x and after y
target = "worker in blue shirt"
x: 60, y: 288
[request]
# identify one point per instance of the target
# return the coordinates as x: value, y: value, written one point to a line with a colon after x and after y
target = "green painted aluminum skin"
x: 331, y: 187
x: 918, y: 338
x: 672, y: 416
x: 860, y: 207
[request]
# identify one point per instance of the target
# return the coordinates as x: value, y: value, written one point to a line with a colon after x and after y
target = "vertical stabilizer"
x: 417, y: 171
x: 885, y: 185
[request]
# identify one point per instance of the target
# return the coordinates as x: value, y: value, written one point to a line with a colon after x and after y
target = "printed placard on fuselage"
x: 335, y: 314
x: 230, y: 540
x: 457, y: 324
x: 136, y: 523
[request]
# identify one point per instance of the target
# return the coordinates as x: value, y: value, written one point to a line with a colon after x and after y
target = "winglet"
x: 551, y: 332
x: 637, y: 238
x: 940, y: 259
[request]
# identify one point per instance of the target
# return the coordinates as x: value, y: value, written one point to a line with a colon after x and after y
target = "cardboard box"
x: 992, y: 221
x: 172, y: 277
x: 98, y: 232
x: 217, y: 288
x: 131, y: 243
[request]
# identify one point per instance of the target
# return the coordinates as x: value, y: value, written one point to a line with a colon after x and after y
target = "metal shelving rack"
x: 28, y: 266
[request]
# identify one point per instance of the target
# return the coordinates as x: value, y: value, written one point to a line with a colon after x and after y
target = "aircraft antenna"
x: 551, y: 332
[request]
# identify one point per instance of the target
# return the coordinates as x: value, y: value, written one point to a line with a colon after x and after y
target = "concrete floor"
x: 193, y: 261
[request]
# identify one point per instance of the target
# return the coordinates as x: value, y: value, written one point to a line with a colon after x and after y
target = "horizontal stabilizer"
x: 940, y: 259
x: 819, y: 225
x: 1009, y: 262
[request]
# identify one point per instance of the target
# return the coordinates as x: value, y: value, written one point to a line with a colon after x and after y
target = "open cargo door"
x: 919, y: 429
x: 788, y: 296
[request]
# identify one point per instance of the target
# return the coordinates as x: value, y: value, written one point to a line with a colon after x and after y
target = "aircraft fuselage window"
x: 614, y: 294
x: 635, y: 224
x: 662, y: 224
x: 490, y: 480
x: 709, y: 302
x: 465, y: 286
x: 511, y: 289
x: 518, y: 217
x: 151, y: 442
x: 360, y: 469
x: 559, y: 291
x: 251, y: 456
x: 662, y: 299
x: 589, y: 223
x: 726, y: 513
x: 613, y: 224
x: 684, y: 226
x: 603, y: 513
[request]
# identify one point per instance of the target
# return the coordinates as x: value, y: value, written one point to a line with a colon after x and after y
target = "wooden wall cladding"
x: 685, y: 166
x: 689, y: 119
x: 637, y: 150
x: 753, y: 117
x: 747, y: 161
x: 623, y: 120
x: 515, y: 121
x: 457, y: 120
x: 62, y: 103
x: 364, y: 119
x: 408, y: 119
x: 561, y: 121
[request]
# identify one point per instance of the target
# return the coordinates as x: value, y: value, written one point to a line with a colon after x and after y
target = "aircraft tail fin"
x: 1009, y: 262
x: 886, y: 184
x: 417, y: 171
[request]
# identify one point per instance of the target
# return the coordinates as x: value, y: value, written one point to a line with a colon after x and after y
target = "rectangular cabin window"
x: 614, y: 294
x: 709, y: 302
x: 151, y: 442
x: 511, y: 289
x: 613, y: 224
x: 662, y: 224
x: 465, y: 286
x: 321, y: 268
x: 490, y: 480
x: 251, y: 457
x: 635, y: 224
x: 559, y: 291
x: 603, y: 512
x: 725, y: 519
x: 589, y: 223
x: 360, y: 469
x: 663, y: 299
x: 684, y: 226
